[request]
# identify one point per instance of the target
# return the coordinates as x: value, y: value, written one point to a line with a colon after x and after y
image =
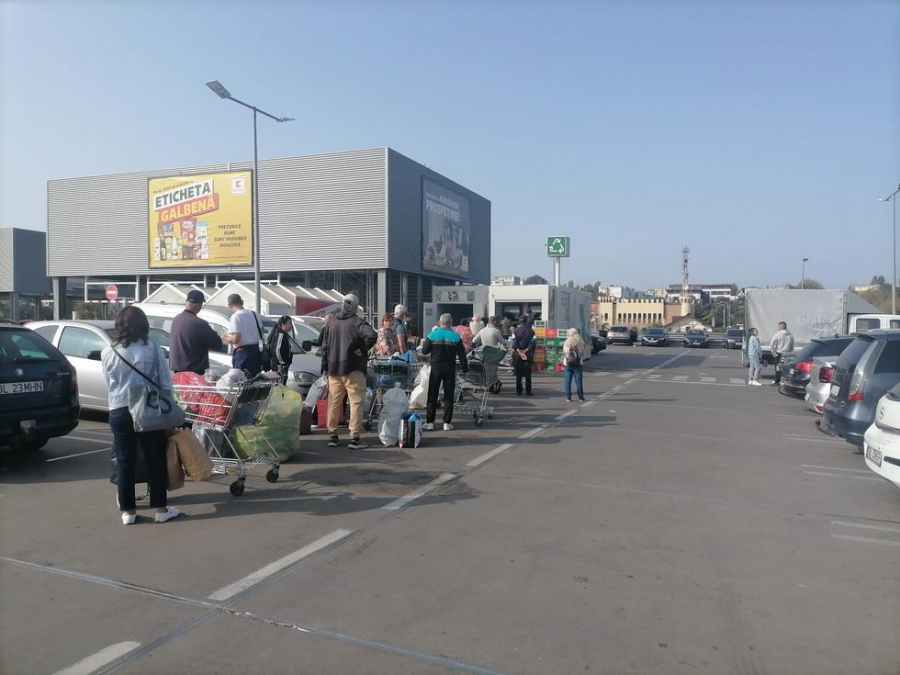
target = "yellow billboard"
x: 204, y: 219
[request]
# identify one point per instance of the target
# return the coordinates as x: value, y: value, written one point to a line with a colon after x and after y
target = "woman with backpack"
x: 280, y: 346
x: 573, y: 356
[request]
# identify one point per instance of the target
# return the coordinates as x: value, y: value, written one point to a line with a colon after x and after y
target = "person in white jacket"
x: 782, y: 343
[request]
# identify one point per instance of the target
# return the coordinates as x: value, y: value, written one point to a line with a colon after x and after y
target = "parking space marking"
x: 736, y: 380
x: 254, y: 578
x: 797, y: 417
x: 420, y: 491
x: 707, y: 379
x: 812, y: 439
x: 866, y: 540
x: 78, y: 454
x: 560, y: 418
x: 624, y: 375
x: 88, y: 440
x: 680, y: 378
x: 490, y: 455
x: 96, y: 661
x: 843, y: 475
x: 587, y: 404
x: 836, y: 468
x: 880, y: 528
x: 654, y: 377
x: 534, y: 432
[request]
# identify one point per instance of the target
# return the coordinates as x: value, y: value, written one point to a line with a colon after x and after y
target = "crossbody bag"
x: 152, y: 408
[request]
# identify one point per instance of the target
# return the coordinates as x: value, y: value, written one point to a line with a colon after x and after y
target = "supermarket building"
x: 371, y: 222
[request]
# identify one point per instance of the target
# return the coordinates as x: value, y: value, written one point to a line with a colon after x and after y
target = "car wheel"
x: 37, y: 443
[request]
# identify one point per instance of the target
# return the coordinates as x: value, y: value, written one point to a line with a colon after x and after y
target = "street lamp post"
x: 803, y: 273
x: 893, y: 198
x: 222, y: 92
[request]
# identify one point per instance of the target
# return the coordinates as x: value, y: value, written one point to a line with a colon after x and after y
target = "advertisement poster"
x: 204, y: 219
x: 445, y: 230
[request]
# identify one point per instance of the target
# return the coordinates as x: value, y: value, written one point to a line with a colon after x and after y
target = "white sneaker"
x: 448, y: 427
x: 428, y: 427
x: 171, y: 512
x: 129, y: 518
x: 757, y: 383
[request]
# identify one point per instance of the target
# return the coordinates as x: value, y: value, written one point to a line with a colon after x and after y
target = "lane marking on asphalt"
x: 676, y: 380
x: 534, y: 432
x: 420, y: 491
x: 812, y: 439
x: 654, y: 377
x: 88, y: 440
x: 586, y: 404
x: 880, y: 528
x: 835, y: 468
x: 560, y: 418
x: 96, y: 661
x: 78, y: 454
x: 736, y: 380
x: 866, y: 540
x: 490, y: 455
x: 624, y: 375
x: 707, y: 379
x: 680, y: 378
x: 843, y: 475
x: 797, y: 417
x: 263, y: 572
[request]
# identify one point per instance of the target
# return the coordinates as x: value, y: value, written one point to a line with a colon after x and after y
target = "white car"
x: 881, y: 443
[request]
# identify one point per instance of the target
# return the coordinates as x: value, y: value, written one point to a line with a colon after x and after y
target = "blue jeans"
x: 755, y: 368
x: 125, y: 444
x: 247, y: 358
x: 577, y: 372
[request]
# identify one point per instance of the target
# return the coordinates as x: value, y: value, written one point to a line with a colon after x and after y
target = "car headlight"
x: 303, y: 377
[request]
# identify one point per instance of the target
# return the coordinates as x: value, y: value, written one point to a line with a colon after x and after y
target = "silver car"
x: 82, y: 342
x: 819, y: 386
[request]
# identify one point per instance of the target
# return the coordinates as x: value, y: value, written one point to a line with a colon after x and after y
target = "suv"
x: 865, y: 371
x: 734, y: 339
x: 38, y: 390
x: 621, y: 335
x: 655, y: 336
x: 796, y: 371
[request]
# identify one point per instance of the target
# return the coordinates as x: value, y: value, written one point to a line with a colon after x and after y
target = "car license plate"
x: 873, y: 455
x: 21, y: 387
x: 835, y: 390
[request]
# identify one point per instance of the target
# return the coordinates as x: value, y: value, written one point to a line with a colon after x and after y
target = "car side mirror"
x: 306, y: 345
x: 95, y: 355
x: 318, y: 352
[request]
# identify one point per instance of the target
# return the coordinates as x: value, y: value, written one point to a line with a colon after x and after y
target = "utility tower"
x: 685, y: 287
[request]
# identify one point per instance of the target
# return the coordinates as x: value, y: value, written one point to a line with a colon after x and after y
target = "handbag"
x: 265, y: 356
x: 152, y: 408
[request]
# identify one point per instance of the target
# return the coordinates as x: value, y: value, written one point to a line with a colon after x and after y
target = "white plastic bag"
x: 315, y: 392
x: 418, y: 400
x: 394, y: 405
x: 229, y: 379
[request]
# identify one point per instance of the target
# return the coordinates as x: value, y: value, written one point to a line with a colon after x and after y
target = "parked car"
x: 38, y: 390
x: 598, y: 344
x: 82, y: 342
x: 734, y: 338
x: 621, y: 335
x: 658, y: 337
x: 820, y: 382
x: 696, y: 338
x: 881, y: 442
x: 796, y: 370
x: 864, y: 372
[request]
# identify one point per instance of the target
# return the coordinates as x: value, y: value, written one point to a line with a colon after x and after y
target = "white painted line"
x: 534, y: 432
x: 813, y: 439
x: 88, y: 440
x: 78, y: 454
x: 624, y: 375
x: 263, y: 572
x: 675, y: 380
x: 736, y: 380
x: 588, y: 404
x: 490, y: 455
x: 798, y: 417
x: 835, y: 468
x: 96, y: 661
x: 880, y: 528
x: 707, y: 379
x: 680, y: 378
x: 419, y: 492
x: 866, y: 540
x: 654, y: 377
x: 842, y: 475
x: 560, y: 418
x: 629, y: 382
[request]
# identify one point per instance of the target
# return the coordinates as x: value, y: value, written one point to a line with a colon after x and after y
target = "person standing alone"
x: 346, y: 341
x: 754, y: 355
x: 573, y: 358
x: 445, y: 346
x: 246, y: 334
x: 782, y: 343
x: 523, y: 344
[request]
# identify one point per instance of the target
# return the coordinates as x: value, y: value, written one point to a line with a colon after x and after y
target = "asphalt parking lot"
x: 677, y: 522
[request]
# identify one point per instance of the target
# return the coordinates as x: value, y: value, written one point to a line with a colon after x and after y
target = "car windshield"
x: 18, y: 346
x: 696, y: 333
x: 735, y: 334
x: 656, y: 331
x: 854, y: 353
x: 618, y: 329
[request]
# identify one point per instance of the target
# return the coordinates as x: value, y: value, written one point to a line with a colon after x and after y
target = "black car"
x: 734, y: 339
x: 796, y: 369
x: 598, y: 344
x: 621, y: 335
x: 658, y: 337
x: 696, y: 338
x: 865, y: 371
x: 38, y: 390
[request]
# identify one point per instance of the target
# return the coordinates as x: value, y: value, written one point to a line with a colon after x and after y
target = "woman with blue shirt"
x: 754, y: 354
x: 131, y: 342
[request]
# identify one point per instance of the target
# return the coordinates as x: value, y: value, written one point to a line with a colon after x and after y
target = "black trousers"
x: 441, y: 374
x: 778, y: 369
x: 125, y: 442
x: 523, y: 371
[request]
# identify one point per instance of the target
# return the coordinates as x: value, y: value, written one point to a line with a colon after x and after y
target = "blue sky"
x: 755, y: 133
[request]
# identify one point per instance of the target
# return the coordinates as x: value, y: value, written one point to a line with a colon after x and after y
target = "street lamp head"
x: 217, y: 87
x: 806, y: 260
x: 285, y: 119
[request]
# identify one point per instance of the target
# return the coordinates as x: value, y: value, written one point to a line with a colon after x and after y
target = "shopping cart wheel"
x: 479, y: 421
x: 236, y: 488
x: 367, y: 425
x: 272, y: 476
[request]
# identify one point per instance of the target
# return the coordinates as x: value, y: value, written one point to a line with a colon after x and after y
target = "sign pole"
x: 256, y: 256
x: 556, y: 267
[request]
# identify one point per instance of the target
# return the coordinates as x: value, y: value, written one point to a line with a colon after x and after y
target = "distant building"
x: 656, y: 293
x: 704, y: 292
x: 24, y: 286
x: 638, y: 312
x: 618, y: 292
x: 506, y: 281
x: 864, y: 289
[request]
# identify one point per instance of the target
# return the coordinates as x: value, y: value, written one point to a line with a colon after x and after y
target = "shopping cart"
x: 482, y: 379
x: 385, y: 374
x: 218, y: 415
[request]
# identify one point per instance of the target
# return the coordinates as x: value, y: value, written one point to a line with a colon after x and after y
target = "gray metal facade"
x: 6, y: 261
x: 341, y: 211
x: 23, y: 262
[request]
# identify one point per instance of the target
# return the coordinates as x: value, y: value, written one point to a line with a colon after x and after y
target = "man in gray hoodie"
x: 346, y: 341
x: 782, y: 343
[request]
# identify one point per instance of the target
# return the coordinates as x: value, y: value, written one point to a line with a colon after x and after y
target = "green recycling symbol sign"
x: 558, y: 247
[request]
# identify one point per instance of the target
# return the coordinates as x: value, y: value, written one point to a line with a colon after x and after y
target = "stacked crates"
x: 548, y: 355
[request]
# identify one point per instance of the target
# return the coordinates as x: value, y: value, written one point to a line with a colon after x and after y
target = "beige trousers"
x: 354, y: 387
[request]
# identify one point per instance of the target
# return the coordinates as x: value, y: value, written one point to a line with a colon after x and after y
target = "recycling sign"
x: 558, y: 247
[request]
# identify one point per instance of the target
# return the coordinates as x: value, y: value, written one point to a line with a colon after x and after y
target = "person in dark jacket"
x: 523, y: 344
x: 346, y: 341
x: 191, y: 338
x: 445, y: 346
x: 280, y: 346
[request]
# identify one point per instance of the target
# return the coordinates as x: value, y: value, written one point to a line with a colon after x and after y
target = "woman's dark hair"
x: 284, y: 319
x: 131, y: 326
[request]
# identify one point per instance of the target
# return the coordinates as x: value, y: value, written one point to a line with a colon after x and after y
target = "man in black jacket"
x: 444, y: 347
x: 191, y: 338
x: 524, y: 343
x: 346, y: 341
